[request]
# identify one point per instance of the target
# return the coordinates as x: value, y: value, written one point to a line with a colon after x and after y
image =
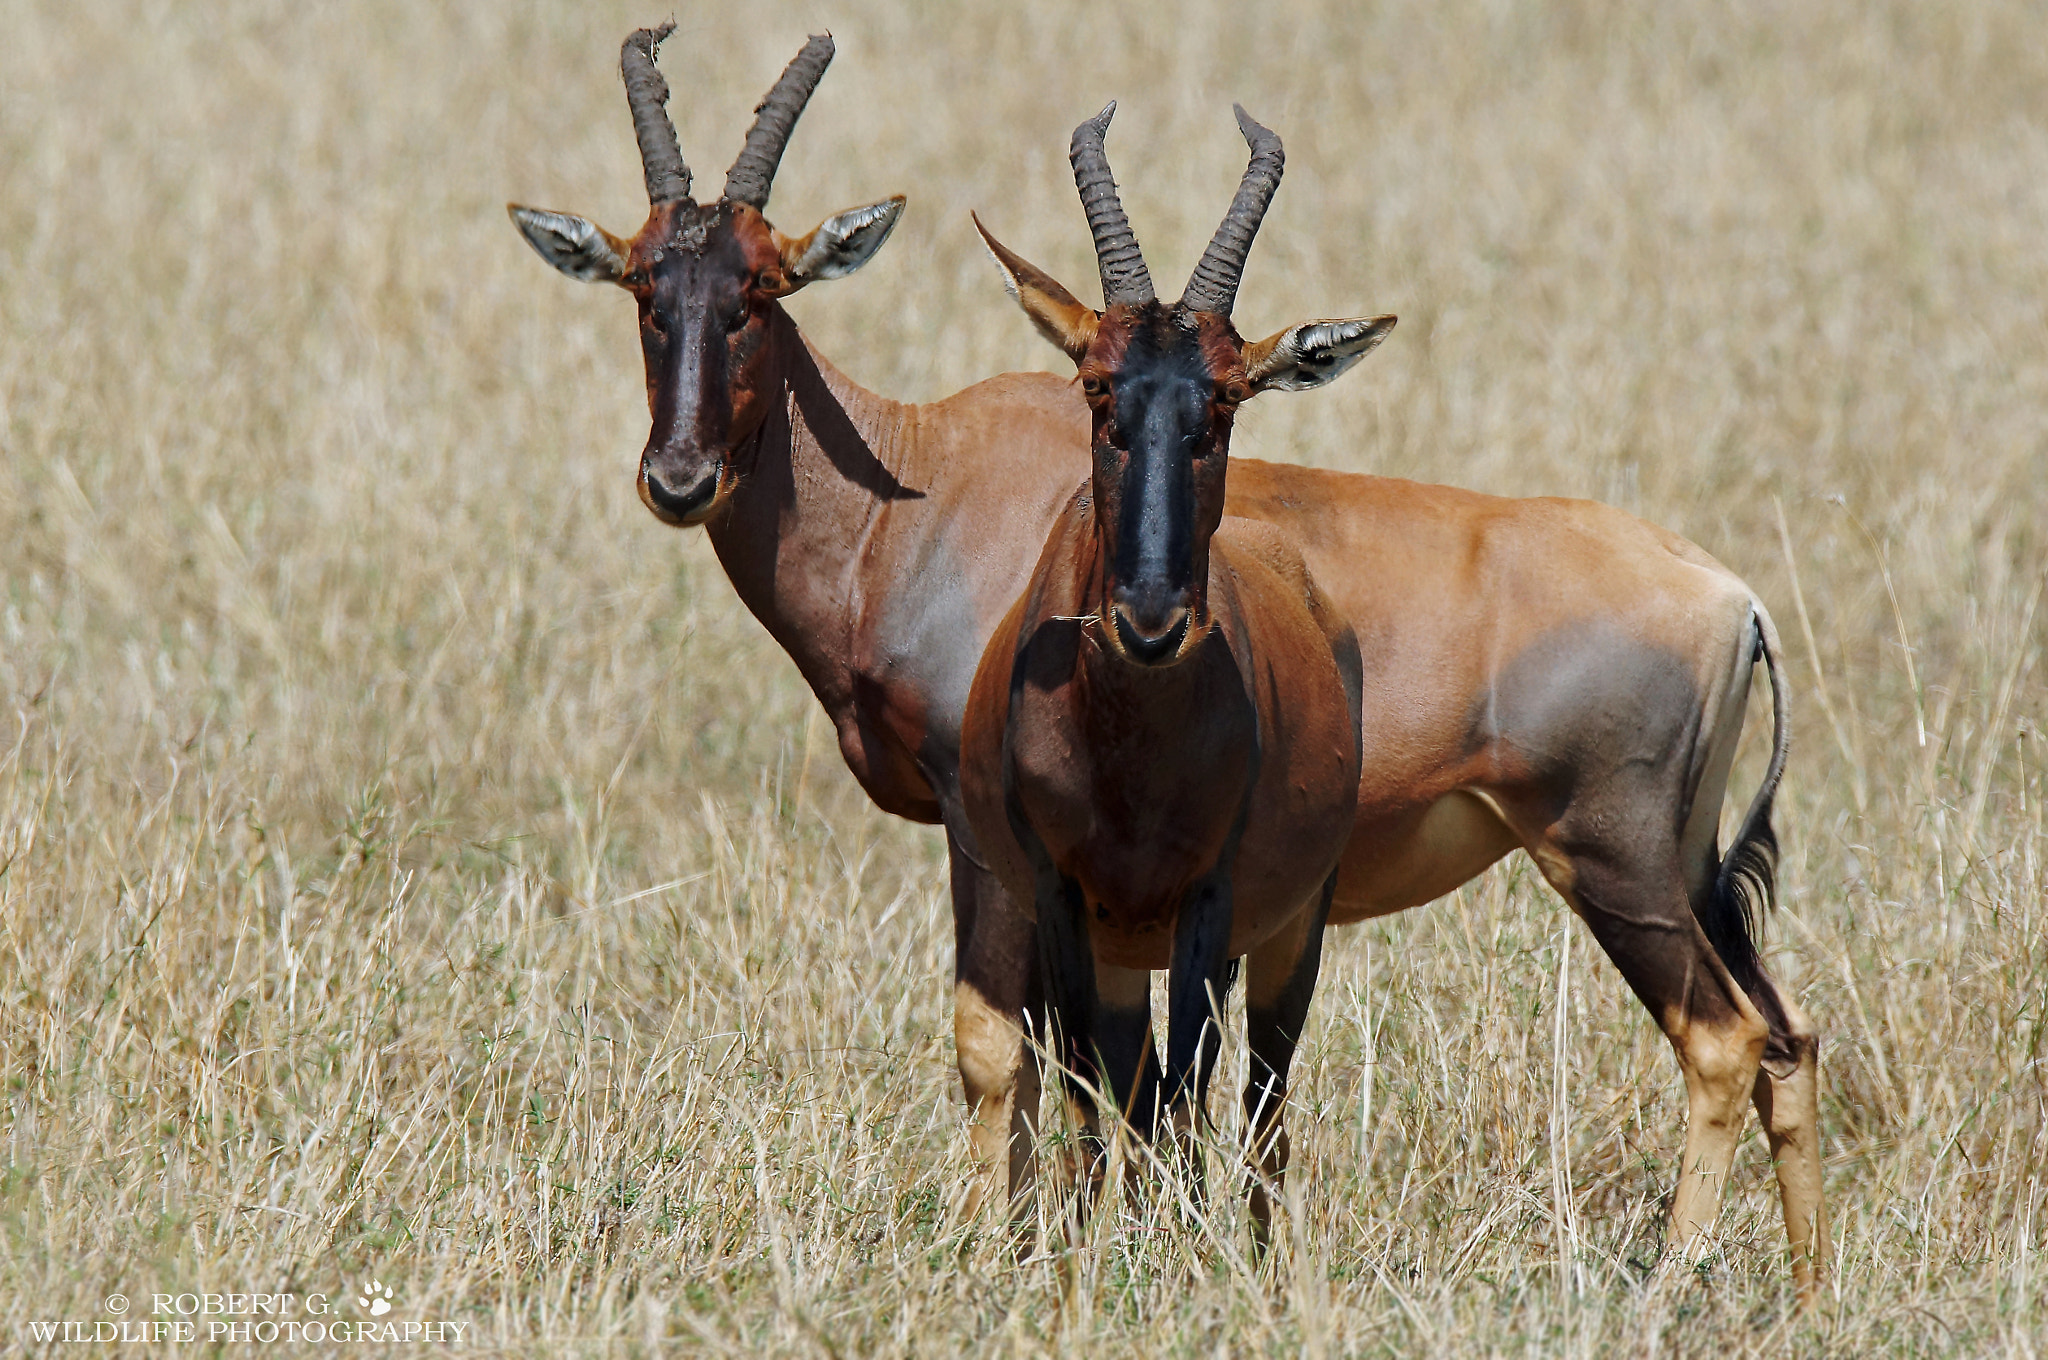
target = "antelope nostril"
x: 1150, y: 648
x: 686, y: 503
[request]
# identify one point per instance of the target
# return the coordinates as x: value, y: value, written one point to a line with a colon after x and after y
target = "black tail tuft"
x: 1744, y: 890
x: 1746, y: 884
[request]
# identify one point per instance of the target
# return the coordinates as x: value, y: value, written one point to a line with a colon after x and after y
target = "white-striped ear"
x: 1059, y: 316
x: 578, y: 247
x: 1312, y: 353
x: 838, y: 245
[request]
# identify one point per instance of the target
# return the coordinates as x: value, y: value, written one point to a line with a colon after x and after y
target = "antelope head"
x: 1164, y: 382
x: 707, y: 278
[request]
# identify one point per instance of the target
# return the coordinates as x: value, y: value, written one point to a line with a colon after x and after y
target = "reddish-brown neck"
x: 822, y: 467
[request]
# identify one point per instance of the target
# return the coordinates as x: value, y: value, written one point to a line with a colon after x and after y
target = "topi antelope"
x: 1555, y: 675
x: 877, y: 542
x: 706, y: 278
x: 880, y: 544
x: 1161, y: 751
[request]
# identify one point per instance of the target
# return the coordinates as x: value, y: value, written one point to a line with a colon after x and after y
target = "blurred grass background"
x: 413, y: 860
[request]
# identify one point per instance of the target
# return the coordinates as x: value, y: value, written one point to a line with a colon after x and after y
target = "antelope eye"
x: 1094, y: 386
x: 1237, y: 393
x: 769, y: 281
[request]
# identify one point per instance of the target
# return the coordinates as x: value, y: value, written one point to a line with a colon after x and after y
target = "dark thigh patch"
x: 1587, y: 702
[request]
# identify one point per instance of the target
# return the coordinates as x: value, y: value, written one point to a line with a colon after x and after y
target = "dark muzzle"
x: 684, y: 504
x: 1150, y: 625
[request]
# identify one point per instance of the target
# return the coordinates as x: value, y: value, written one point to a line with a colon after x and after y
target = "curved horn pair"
x: 1213, y: 286
x: 753, y: 172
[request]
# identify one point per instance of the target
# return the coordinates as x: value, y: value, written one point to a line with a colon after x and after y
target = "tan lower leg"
x: 1266, y: 1160
x: 1789, y: 1107
x: 1002, y: 1096
x: 1720, y: 1067
x: 1183, y: 1153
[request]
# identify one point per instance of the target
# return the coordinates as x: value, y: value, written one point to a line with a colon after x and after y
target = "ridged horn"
x: 1124, y: 276
x: 661, y: 156
x: 753, y: 173
x: 1213, y: 286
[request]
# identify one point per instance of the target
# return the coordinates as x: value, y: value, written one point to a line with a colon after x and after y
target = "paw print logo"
x: 377, y: 1298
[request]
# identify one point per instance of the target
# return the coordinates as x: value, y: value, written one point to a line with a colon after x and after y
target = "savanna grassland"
x: 414, y: 863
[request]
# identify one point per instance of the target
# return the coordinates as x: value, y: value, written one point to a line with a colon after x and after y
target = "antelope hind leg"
x: 1639, y: 912
x: 1787, y: 1097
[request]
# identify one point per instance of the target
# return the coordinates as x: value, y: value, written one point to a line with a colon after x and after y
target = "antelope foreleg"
x: 1195, y: 990
x: 1280, y: 981
x: 994, y: 983
x: 1000, y: 1078
x: 1124, y: 1048
x: 1068, y: 1030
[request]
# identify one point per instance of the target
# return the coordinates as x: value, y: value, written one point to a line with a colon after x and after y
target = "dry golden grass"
x: 414, y: 862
